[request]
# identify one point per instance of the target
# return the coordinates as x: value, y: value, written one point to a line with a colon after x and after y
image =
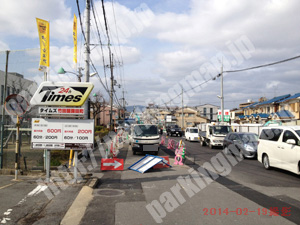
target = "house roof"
x: 284, y: 114
x: 252, y: 105
x: 274, y: 100
x: 291, y: 97
x: 261, y: 115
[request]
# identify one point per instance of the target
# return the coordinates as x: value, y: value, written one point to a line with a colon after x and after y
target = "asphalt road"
x: 269, y: 188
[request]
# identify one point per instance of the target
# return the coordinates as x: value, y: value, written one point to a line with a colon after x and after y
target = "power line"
x: 80, y: 20
x: 264, y: 65
x: 100, y: 41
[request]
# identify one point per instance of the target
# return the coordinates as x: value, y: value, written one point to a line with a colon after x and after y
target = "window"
x: 289, y: 135
x: 8, y: 91
x: 233, y: 137
x: 270, y: 134
x: 204, y: 111
x: 191, y: 114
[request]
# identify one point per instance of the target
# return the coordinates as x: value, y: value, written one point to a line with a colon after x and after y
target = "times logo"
x: 61, y: 94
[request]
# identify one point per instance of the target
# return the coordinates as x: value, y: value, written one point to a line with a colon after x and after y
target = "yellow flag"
x: 75, y: 40
x: 43, y: 29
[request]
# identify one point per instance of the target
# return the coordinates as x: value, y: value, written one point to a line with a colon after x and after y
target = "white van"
x: 280, y: 147
x: 144, y: 138
x: 192, y: 134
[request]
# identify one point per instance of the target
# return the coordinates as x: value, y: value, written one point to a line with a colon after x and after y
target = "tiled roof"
x: 274, y: 100
x: 251, y: 106
x: 291, y: 97
x: 284, y: 114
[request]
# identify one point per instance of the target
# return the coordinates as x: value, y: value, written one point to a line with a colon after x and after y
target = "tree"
x: 98, y: 105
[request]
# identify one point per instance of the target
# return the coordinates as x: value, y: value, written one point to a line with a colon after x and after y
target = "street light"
x: 79, y: 75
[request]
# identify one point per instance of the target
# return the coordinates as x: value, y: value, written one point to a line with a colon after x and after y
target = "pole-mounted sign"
x: 62, y: 93
x: 16, y: 105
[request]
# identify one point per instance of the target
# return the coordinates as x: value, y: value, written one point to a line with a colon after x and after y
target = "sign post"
x: 16, y: 105
x: 57, y: 133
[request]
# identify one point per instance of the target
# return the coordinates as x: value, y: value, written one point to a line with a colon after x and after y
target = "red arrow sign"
x: 112, y: 164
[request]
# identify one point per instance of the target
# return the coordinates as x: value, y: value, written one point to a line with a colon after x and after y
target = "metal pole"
x: 17, y: 148
x: 111, y: 92
x: 75, y: 165
x: 48, y: 157
x: 222, y: 96
x: 3, y: 110
x: 182, y: 108
x: 87, y: 56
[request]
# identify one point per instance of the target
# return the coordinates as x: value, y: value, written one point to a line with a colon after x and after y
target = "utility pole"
x: 123, y: 105
x: 182, y: 108
x: 87, y: 56
x: 111, y: 91
x: 3, y: 109
x: 222, y: 95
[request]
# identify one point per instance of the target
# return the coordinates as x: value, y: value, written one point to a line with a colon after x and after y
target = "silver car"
x: 241, y: 144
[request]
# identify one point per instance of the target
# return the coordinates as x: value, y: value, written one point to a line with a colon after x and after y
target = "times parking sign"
x: 62, y: 134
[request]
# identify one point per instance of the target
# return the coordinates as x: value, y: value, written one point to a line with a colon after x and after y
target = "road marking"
x: 6, y: 186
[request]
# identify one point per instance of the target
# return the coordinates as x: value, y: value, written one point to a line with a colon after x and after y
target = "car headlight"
x: 136, y: 145
x: 249, y: 147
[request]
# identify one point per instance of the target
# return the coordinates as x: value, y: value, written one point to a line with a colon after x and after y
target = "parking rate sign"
x: 62, y: 134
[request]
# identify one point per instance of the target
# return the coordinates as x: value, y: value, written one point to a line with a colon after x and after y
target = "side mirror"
x: 291, y: 141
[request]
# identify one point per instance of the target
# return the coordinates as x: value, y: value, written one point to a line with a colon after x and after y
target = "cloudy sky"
x: 161, y: 46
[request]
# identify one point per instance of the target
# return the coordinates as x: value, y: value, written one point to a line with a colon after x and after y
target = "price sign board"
x: 62, y: 134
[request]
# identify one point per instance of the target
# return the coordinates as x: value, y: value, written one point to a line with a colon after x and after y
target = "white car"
x: 280, y: 147
x: 192, y: 134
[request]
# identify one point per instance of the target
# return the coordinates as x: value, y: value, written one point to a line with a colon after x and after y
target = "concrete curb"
x: 78, y: 207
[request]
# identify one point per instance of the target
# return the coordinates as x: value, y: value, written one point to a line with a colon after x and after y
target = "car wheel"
x: 266, y: 162
x: 241, y: 155
x: 226, y: 150
x: 202, y: 143
x: 134, y: 152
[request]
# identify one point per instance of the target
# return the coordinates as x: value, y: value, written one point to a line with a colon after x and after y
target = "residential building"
x: 191, y: 117
x: 208, y: 111
x: 284, y: 108
x: 103, y: 117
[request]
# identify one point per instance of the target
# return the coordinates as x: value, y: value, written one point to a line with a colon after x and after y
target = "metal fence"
x: 22, y: 78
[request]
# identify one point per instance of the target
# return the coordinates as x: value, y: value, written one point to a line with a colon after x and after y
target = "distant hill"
x: 137, y: 107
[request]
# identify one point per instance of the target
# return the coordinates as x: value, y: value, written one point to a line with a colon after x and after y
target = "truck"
x: 213, y: 134
x: 144, y: 138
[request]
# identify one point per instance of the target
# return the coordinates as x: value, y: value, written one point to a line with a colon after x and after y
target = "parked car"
x: 241, y: 144
x: 280, y: 147
x: 192, y: 134
x: 174, y: 130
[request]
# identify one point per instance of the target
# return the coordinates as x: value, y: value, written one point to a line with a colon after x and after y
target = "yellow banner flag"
x: 43, y: 29
x: 75, y: 40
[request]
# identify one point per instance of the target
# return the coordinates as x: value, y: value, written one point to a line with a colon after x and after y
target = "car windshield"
x: 194, y: 131
x: 174, y: 126
x: 146, y: 130
x: 221, y: 129
x: 249, y: 137
x: 298, y: 132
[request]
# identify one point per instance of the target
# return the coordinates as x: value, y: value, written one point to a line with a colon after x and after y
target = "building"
x: 191, y: 117
x: 103, y: 117
x: 16, y: 84
x: 284, y: 108
x: 208, y: 111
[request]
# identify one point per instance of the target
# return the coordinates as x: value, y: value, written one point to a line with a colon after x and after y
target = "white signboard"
x: 62, y: 134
